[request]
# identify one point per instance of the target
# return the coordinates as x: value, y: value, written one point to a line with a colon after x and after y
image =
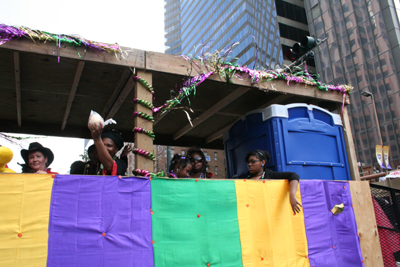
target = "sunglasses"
x: 197, y: 159
x: 252, y: 161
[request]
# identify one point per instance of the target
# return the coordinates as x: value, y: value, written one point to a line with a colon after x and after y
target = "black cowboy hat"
x: 35, y: 146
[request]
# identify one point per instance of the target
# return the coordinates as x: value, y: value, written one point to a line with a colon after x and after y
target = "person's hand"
x: 41, y: 172
x: 128, y: 148
x: 95, y: 130
x: 295, y: 204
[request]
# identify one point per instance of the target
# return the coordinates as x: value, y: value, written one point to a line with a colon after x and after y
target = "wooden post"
x: 143, y: 141
x: 348, y: 139
x: 366, y: 223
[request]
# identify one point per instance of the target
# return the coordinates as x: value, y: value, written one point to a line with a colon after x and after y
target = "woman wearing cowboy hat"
x: 37, y: 159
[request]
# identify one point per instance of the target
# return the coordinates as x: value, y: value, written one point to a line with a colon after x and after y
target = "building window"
x: 183, y: 153
x: 216, y: 170
x: 215, y: 156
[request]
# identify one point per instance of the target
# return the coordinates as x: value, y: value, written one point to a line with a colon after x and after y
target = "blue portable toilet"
x: 301, y: 138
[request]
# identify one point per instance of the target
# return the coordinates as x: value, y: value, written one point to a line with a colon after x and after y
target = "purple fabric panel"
x: 332, y: 239
x: 84, y: 207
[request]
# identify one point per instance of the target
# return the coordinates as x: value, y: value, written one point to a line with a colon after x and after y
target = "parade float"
x: 51, y: 82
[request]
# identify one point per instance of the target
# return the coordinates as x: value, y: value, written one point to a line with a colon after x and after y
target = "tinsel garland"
x: 186, y: 90
x: 143, y: 103
x: 141, y: 130
x: 17, y: 140
x: 144, y: 83
x: 143, y: 115
x: 144, y: 153
x: 141, y: 172
x: 148, y: 174
x: 8, y: 33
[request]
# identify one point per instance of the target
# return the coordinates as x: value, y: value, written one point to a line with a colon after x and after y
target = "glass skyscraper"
x: 197, y: 27
x: 362, y: 50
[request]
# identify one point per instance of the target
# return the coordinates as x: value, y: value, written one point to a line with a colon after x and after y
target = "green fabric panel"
x: 181, y: 238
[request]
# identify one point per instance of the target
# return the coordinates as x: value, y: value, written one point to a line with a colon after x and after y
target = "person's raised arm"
x: 104, y: 157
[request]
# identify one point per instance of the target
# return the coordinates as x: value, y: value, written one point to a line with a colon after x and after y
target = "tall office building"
x: 263, y: 31
x: 362, y: 50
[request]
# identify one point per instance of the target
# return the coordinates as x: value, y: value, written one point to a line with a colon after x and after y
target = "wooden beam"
x: 143, y: 141
x: 117, y: 90
x: 72, y: 93
x: 366, y: 223
x: 18, y: 87
x: 130, y: 84
x: 211, y: 111
x: 348, y: 139
x: 275, y: 100
x: 130, y: 58
x: 178, y: 65
x: 218, y: 134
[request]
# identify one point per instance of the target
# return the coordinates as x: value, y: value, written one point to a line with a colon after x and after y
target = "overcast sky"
x: 135, y: 24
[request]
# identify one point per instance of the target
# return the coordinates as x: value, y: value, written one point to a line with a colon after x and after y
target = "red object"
x: 198, y: 215
x: 208, y: 265
x: 151, y: 212
x: 152, y: 242
x: 197, y: 180
x: 247, y: 205
x: 210, y: 175
x: 50, y: 172
x: 389, y: 240
x: 113, y: 170
x: 19, y: 235
x: 104, y: 234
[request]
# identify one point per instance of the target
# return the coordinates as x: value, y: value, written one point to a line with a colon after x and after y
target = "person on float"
x: 108, y: 143
x: 90, y: 167
x: 180, y: 167
x: 199, y: 164
x: 256, y: 162
x: 37, y: 159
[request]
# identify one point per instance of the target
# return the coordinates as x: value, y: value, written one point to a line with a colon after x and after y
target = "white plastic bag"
x: 96, y: 119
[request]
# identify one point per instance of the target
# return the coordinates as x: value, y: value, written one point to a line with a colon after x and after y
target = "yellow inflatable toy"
x: 6, y: 156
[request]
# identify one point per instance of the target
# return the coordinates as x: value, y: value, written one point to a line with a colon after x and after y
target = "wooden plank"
x: 211, y: 111
x: 131, y: 57
x: 143, y: 141
x: 130, y: 84
x: 18, y: 87
x: 349, y: 142
x: 275, y: 100
x: 72, y: 93
x: 120, y: 85
x: 178, y: 65
x: 366, y: 223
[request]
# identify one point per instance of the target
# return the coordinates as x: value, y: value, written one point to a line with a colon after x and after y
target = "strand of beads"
x: 141, y: 130
x: 144, y: 153
x: 143, y: 115
x: 144, y: 83
x: 141, y: 172
x: 143, y: 103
